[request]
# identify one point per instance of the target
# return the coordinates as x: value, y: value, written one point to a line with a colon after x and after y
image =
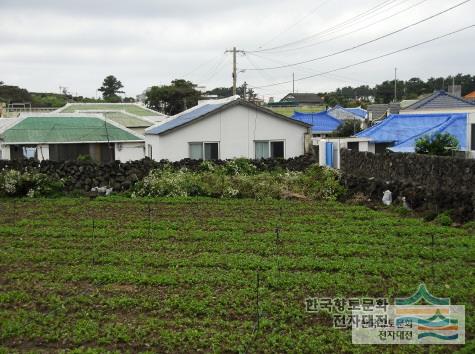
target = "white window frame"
x: 203, y: 148
x: 270, y: 149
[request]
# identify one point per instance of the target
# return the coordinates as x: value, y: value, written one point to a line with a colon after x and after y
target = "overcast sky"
x: 51, y: 43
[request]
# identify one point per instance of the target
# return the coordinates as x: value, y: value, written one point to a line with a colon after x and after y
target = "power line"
x: 352, y: 31
x: 359, y: 16
x: 310, y: 71
x: 203, y: 64
x: 371, y: 59
x: 364, y: 43
x: 287, y: 29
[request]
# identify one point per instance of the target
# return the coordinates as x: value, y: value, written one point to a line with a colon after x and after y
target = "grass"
x: 185, y: 279
x: 289, y: 111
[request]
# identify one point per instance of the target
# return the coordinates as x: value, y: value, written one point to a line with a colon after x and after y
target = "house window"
x: 266, y: 149
x: 473, y: 138
x: 150, y: 152
x: 204, y: 151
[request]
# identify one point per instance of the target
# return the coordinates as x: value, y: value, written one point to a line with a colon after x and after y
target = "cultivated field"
x: 180, y: 275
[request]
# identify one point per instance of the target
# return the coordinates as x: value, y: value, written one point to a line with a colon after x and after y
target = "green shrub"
x: 441, y: 144
x: 239, y: 167
x: 239, y: 179
x: 444, y: 219
x: 32, y: 184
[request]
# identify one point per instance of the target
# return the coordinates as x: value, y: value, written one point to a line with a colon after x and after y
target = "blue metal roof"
x: 185, y: 117
x: 358, y: 111
x: 355, y: 113
x: 321, y: 122
x: 404, y: 129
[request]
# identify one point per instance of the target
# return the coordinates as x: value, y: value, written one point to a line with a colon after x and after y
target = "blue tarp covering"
x: 184, y: 118
x: 321, y: 122
x: 360, y: 112
x: 404, y: 129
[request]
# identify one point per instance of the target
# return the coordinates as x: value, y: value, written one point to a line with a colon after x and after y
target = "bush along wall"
x: 429, y: 183
x: 84, y: 175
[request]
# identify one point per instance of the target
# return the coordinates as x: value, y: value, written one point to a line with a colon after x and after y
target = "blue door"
x: 329, y: 154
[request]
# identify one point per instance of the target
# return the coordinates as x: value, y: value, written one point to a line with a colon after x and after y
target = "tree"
x: 349, y: 128
x: 223, y: 92
x: 110, y: 89
x: 384, y: 93
x: 173, y: 99
x: 14, y: 94
x: 440, y: 144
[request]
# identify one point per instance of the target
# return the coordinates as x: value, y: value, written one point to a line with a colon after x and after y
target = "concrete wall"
x: 236, y: 129
x: 125, y: 152
x: 4, y: 152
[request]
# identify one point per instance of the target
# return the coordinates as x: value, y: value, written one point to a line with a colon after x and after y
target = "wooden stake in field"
x: 432, y: 266
x: 149, y: 220
x: 258, y: 314
x: 14, y: 212
x: 93, y: 242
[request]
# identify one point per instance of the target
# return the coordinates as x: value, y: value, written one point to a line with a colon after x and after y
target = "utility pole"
x: 293, y: 82
x: 395, y: 84
x: 235, y: 51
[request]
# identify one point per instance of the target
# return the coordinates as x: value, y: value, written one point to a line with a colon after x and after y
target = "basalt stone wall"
x: 83, y: 175
x: 428, y: 182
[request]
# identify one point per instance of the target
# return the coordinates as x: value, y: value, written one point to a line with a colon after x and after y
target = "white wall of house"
x: 364, y: 145
x: 4, y: 152
x: 42, y: 152
x: 236, y: 129
x: 129, y: 151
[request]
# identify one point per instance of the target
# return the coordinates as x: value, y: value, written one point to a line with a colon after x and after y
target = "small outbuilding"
x: 70, y: 136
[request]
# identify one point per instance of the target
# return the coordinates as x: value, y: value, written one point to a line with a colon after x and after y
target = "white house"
x: 226, y: 129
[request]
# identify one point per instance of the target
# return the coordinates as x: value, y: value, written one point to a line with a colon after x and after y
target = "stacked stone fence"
x: 427, y: 182
x: 84, y: 175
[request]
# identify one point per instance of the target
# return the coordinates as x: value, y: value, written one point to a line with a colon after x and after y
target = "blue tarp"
x: 404, y: 129
x: 321, y: 122
x: 360, y: 112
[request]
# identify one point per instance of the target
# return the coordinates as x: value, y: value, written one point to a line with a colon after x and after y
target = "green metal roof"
x: 52, y: 129
x: 127, y: 120
x: 129, y: 108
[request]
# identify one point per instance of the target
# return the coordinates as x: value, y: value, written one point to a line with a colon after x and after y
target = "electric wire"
x: 367, y: 42
x: 373, y: 58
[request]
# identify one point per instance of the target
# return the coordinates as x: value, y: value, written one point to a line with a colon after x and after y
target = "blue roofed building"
x: 227, y: 129
x: 399, y: 132
x: 343, y: 113
x: 322, y: 123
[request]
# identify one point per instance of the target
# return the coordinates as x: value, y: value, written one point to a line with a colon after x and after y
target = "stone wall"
x: 83, y: 175
x: 428, y: 182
